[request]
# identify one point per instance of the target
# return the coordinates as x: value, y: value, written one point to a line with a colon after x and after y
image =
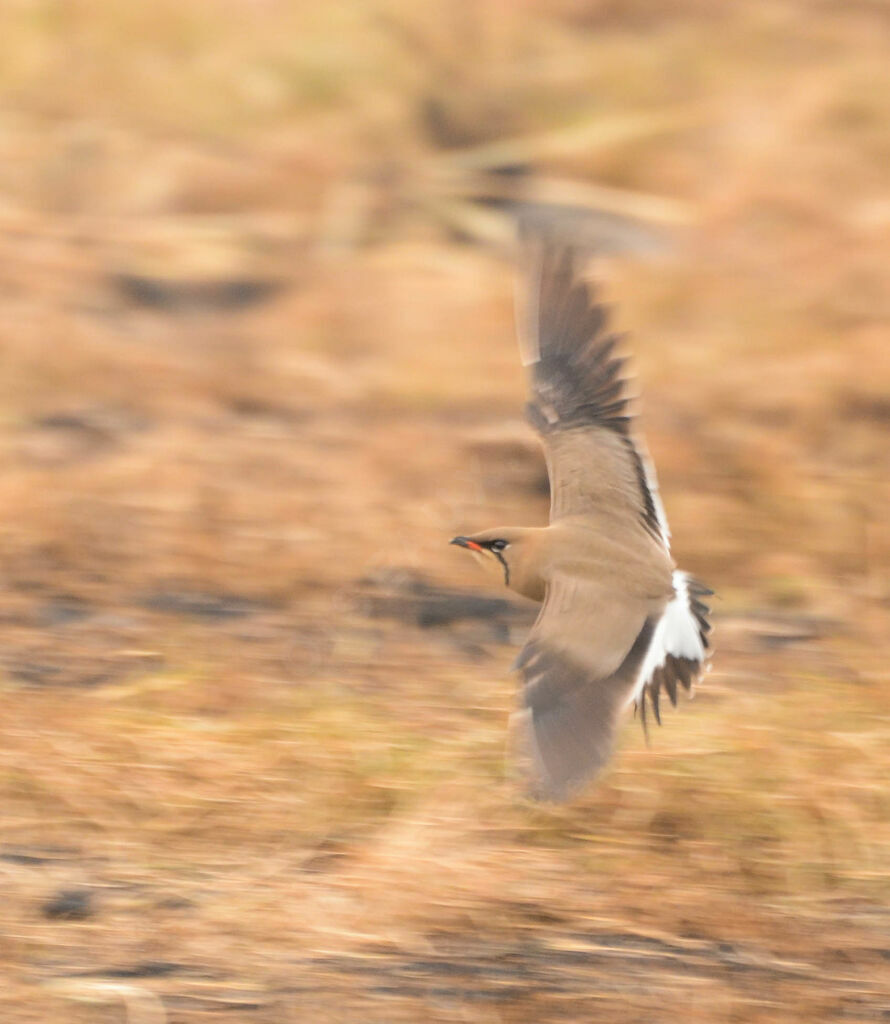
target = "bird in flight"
x: 618, y: 623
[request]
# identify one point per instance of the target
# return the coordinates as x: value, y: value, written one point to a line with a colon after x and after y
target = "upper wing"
x: 579, y: 667
x: 579, y: 403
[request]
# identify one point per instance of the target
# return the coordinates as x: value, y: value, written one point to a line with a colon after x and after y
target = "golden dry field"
x: 258, y: 365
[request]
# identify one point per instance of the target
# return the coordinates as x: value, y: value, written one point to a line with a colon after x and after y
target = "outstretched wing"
x: 579, y: 401
x: 579, y: 667
x: 598, y: 644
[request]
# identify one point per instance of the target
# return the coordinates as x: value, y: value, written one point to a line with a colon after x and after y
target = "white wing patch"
x: 679, y: 645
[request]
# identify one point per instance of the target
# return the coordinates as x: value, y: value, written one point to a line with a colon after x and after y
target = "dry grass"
x: 282, y: 807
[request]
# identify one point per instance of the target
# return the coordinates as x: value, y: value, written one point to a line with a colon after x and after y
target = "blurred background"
x: 259, y: 365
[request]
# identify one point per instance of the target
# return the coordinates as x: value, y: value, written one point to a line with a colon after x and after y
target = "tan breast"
x: 608, y: 552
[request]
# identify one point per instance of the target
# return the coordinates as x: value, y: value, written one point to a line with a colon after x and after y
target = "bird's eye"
x: 498, y: 545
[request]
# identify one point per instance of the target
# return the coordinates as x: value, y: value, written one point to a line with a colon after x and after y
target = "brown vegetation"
x: 239, y: 770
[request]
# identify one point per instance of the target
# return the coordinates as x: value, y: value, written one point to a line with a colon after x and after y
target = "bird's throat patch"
x: 503, y: 562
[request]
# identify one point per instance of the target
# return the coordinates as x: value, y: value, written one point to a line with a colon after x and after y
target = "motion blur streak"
x: 258, y: 360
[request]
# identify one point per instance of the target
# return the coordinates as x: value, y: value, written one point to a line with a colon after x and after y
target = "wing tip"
x: 538, y: 782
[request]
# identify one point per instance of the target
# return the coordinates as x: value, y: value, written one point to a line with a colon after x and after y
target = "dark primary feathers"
x: 576, y: 378
x: 577, y: 387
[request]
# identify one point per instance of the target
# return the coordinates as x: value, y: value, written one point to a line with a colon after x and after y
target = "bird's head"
x: 493, y: 547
